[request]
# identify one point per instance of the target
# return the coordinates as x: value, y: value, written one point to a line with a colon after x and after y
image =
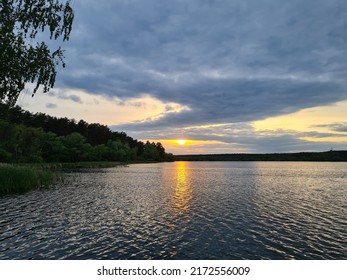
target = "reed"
x: 19, y: 179
x: 90, y: 164
x: 67, y: 166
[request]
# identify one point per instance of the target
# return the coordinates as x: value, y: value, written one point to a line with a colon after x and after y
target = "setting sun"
x: 181, y: 142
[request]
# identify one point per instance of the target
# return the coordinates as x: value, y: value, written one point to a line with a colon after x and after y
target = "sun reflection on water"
x: 183, y: 193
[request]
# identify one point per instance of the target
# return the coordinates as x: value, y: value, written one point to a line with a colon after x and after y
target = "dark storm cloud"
x: 228, y: 61
x: 244, y: 100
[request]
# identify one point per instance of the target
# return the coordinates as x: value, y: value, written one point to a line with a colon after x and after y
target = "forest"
x: 29, y: 138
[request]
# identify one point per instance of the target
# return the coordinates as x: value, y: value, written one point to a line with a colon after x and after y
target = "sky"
x: 227, y: 76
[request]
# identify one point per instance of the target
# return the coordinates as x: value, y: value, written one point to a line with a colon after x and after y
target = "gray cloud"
x: 245, y: 100
x: 228, y: 61
x: 74, y: 98
x: 63, y: 96
x: 51, y: 105
x: 339, y: 127
x: 242, y: 136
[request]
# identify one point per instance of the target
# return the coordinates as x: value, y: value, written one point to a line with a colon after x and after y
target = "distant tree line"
x: 302, y: 156
x: 28, y: 137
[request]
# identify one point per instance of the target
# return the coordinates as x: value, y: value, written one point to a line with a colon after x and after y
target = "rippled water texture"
x: 182, y: 210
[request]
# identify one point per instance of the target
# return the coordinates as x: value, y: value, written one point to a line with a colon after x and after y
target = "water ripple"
x: 180, y: 210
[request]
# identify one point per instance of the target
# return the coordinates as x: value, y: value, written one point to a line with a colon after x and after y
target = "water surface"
x: 183, y: 210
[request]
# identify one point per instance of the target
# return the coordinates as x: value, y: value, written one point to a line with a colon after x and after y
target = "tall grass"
x: 89, y: 164
x: 63, y: 166
x: 19, y: 179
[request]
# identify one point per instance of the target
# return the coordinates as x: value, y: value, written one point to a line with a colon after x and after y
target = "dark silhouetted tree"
x: 28, y: 137
x: 20, y: 60
x: 150, y: 151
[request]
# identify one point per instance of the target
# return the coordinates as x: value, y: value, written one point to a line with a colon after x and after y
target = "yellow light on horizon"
x: 306, y: 119
x: 181, y: 142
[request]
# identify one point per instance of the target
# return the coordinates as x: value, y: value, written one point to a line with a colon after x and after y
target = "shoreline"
x: 329, y: 156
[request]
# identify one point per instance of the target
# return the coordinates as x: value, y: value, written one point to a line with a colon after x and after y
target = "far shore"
x: 333, y: 156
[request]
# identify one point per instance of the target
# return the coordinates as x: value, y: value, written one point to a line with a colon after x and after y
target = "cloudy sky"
x: 228, y: 76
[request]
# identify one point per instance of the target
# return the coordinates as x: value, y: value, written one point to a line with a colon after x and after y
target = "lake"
x: 183, y: 210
